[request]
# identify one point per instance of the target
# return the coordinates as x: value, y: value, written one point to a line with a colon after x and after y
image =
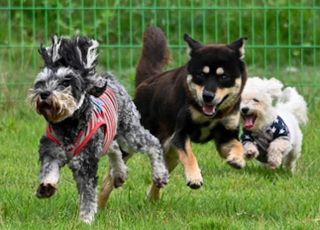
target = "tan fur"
x: 233, y: 151
x: 195, y: 89
x: 107, y: 188
x: 219, y: 71
x: 171, y: 159
x: 233, y: 93
x: 232, y: 121
x: 190, y: 164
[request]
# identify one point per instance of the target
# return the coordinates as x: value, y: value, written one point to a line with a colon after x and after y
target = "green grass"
x: 253, y: 198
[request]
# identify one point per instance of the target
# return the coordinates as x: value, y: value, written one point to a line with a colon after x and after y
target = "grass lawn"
x: 252, y: 198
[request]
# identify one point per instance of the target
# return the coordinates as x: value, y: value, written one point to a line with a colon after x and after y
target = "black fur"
x: 170, y: 108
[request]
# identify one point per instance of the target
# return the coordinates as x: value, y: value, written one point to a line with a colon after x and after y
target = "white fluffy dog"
x: 271, y: 118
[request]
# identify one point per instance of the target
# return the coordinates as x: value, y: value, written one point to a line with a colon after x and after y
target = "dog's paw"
x: 45, y: 190
x: 236, y: 162
x: 273, y: 165
x: 161, y: 179
x: 251, y: 151
x: 119, y: 177
x: 87, y: 217
x: 194, y: 181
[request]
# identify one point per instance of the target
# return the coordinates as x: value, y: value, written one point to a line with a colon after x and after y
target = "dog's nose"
x: 207, y: 96
x: 44, y: 95
x: 245, y: 110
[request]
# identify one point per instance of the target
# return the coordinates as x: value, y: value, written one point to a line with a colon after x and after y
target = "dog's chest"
x: 204, y: 129
x: 203, y: 132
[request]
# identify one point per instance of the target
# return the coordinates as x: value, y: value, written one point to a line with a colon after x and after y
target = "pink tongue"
x: 209, y: 109
x: 249, y: 122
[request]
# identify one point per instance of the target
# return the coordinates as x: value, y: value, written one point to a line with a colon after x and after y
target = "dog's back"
x: 294, y: 103
x: 155, y: 54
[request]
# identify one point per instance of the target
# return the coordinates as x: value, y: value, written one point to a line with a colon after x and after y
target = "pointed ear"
x: 46, y: 55
x: 88, y: 48
x: 239, y: 46
x: 193, y: 44
x: 56, y: 42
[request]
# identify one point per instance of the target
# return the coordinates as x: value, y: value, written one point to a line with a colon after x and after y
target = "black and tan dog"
x: 197, y: 102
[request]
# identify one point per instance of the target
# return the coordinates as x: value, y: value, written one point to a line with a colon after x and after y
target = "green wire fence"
x: 283, y: 35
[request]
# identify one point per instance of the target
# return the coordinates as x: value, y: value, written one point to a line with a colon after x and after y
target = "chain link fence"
x: 284, y: 35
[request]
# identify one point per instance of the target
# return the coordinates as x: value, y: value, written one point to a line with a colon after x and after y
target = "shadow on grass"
x: 256, y: 168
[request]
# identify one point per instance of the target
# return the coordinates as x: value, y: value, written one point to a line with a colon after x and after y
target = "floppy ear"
x: 239, y: 46
x: 193, y: 44
x: 96, y: 85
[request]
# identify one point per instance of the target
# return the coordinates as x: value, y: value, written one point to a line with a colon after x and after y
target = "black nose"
x: 207, y: 96
x: 44, y: 95
x: 245, y: 110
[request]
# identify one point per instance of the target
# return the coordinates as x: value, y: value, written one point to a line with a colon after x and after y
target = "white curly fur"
x: 266, y: 99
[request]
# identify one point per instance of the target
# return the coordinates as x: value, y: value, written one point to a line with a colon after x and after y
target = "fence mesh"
x: 283, y: 34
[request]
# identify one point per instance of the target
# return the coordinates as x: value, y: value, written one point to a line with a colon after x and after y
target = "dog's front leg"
x: 278, y: 148
x: 233, y: 151
x: 189, y: 160
x: 85, y: 167
x: 52, y: 158
x: 227, y: 141
x: 251, y: 150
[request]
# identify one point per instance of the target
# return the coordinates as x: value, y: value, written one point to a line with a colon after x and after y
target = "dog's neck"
x: 69, y: 128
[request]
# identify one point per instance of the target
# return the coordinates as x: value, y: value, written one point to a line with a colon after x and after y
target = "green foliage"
x: 280, y: 33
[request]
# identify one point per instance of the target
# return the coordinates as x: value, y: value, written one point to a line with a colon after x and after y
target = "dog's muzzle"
x: 208, y: 108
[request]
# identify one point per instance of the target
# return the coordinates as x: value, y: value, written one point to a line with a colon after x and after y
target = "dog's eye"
x: 39, y: 84
x: 65, y: 83
x: 255, y: 100
x: 224, y: 78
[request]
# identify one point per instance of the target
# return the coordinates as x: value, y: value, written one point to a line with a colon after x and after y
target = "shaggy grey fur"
x: 62, y: 93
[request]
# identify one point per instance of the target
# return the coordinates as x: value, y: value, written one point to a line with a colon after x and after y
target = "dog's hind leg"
x: 107, y: 188
x: 139, y: 139
x: 116, y: 175
x: 118, y: 168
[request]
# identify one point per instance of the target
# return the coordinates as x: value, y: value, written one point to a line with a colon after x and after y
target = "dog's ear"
x: 273, y: 87
x: 96, y: 85
x: 193, y: 44
x: 46, y: 55
x: 239, y: 46
x: 88, y: 49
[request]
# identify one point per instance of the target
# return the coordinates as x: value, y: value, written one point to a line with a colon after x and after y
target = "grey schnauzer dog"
x: 88, y: 115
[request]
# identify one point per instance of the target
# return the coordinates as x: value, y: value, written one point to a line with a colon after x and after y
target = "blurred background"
x: 284, y: 36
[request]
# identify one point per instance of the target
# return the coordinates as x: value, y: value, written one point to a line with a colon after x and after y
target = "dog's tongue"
x: 248, y: 122
x: 209, y: 110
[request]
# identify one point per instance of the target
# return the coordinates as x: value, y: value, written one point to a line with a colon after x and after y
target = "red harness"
x: 104, y: 114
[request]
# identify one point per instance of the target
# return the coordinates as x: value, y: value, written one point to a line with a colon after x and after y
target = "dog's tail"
x: 292, y: 101
x: 155, y: 54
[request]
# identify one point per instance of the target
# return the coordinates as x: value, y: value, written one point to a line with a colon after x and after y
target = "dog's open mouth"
x: 249, y: 121
x: 209, y: 110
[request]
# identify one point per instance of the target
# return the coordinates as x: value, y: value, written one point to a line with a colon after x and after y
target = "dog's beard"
x: 57, y: 107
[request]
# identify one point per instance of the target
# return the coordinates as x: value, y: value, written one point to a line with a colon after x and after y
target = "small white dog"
x: 271, y: 118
